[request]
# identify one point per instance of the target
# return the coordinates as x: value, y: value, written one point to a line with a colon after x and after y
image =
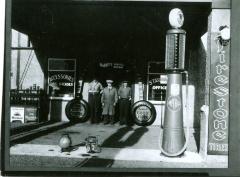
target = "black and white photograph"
x: 119, y: 85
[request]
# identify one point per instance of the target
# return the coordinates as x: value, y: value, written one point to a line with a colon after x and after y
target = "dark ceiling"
x: 104, y: 30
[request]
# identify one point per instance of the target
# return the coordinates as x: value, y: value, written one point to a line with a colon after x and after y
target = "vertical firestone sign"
x: 219, y: 87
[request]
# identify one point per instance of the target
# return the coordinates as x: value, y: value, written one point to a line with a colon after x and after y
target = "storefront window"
x: 157, y: 81
x: 26, y: 83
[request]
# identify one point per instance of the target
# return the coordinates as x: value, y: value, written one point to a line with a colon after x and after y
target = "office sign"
x: 157, y: 85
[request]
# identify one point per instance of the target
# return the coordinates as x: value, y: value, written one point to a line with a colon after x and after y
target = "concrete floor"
x: 122, y: 147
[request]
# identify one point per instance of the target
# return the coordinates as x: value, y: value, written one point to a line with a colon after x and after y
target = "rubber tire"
x: 72, y: 118
x: 152, y: 118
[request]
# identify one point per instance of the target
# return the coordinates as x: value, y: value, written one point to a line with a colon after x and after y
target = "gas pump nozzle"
x: 174, y: 141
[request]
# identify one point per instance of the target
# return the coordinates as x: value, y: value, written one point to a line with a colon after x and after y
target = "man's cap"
x: 109, y: 81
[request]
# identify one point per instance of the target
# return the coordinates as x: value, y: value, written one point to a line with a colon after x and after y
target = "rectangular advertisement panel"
x: 219, y: 98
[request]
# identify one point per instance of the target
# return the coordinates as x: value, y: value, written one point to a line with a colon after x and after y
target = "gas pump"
x: 174, y: 142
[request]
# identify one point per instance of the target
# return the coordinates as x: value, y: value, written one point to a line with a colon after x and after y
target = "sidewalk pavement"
x: 122, y: 147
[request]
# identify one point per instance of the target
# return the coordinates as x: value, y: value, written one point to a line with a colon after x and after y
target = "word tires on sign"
x: 219, y: 99
x: 77, y: 110
x: 144, y: 113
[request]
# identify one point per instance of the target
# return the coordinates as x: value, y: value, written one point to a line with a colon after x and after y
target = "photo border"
x: 234, y: 146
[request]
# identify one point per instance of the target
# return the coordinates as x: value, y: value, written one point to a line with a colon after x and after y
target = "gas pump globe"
x: 173, y: 142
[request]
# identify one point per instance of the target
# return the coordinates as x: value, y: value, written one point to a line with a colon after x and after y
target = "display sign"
x: 30, y: 114
x: 61, y: 82
x: 144, y: 113
x: 157, y: 85
x: 219, y: 98
x: 17, y: 113
x: 61, y: 76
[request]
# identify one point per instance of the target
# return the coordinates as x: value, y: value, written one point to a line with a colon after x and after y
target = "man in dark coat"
x: 124, y: 94
x: 109, y: 100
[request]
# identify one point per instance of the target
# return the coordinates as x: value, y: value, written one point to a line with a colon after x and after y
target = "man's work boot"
x: 106, y: 121
x: 112, y: 120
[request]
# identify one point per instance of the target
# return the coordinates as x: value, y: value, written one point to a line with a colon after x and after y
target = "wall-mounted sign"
x: 17, y: 114
x: 30, y: 114
x: 111, y: 65
x: 219, y: 98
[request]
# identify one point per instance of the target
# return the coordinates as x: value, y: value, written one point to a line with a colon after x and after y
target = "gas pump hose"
x: 187, y: 132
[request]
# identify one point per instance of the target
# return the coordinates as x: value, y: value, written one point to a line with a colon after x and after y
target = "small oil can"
x: 65, y: 142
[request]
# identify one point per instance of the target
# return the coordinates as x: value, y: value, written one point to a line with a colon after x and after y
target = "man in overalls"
x: 94, y: 91
x: 109, y: 100
x: 124, y: 94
